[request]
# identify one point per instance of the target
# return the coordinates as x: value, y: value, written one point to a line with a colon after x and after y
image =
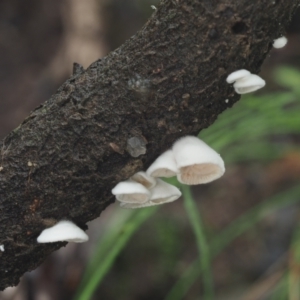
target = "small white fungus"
x: 249, y: 84
x: 197, y: 162
x: 245, y: 82
x: 236, y: 75
x: 162, y: 193
x: 131, y: 192
x: 2, y: 248
x: 63, y: 231
x: 280, y: 42
x: 164, y: 166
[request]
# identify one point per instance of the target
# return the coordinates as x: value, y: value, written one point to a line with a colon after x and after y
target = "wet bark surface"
x: 165, y: 82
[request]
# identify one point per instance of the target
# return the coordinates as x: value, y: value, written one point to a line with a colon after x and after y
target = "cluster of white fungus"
x: 244, y: 82
x: 190, y: 159
x: 63, y: 231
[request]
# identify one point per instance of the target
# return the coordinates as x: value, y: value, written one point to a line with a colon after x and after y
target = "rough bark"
x: 167, y: 81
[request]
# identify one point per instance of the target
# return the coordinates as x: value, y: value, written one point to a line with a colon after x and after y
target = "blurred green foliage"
x: 257, y: 128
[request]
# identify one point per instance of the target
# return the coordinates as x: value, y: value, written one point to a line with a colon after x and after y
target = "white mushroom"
x: 236, y: 75
x: 280, y: 42
x: 131, y: 192
x: 136, y: 205
x: 63, y: 231
x: 163, y: 166
x: 162, y: 193
x: 147, y: 181
x: 2, y: 248
x: 249, y: 84
x: 197, y: 162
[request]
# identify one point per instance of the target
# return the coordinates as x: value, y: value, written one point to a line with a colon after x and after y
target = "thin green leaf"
x: 231, y: 232
x: 204, y: 253
x: 125, y: 233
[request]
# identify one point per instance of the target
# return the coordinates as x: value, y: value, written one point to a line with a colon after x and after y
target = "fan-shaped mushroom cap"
x: 197, y: 162
x: 249, y: 84
x: 131, y: 192
x: 236, y: 75
x: 162, y: 193
x: 63, y: 231
x: 280, y: 42
x: 143, y: 178
x: 163, y: 166
x: 136, y: 205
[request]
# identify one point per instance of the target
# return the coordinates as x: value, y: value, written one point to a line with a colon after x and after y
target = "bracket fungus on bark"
x: 236, y: 75
x: 245, y: 82
x: 163, y: 166
x: 131, y: 192
x: 63, y: 231
x: 192, y: 160
x: 162, y: 193
x: 249, y: 84
x: 197, y: 162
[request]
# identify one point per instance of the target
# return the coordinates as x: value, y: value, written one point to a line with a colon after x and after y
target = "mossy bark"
x: 165, y: 82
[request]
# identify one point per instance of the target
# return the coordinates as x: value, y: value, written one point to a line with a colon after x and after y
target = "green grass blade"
x: 204, y: 253
x: 105, y: 244
x: 255, y: 117
x: 231, y: 232
x: 281, y: 290
x: 288, y: 77
x: 121, y: 240
x: 252, y: 217
x: 294, y: 265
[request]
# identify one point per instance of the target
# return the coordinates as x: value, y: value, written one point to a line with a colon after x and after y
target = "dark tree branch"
x: 165, y: 82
